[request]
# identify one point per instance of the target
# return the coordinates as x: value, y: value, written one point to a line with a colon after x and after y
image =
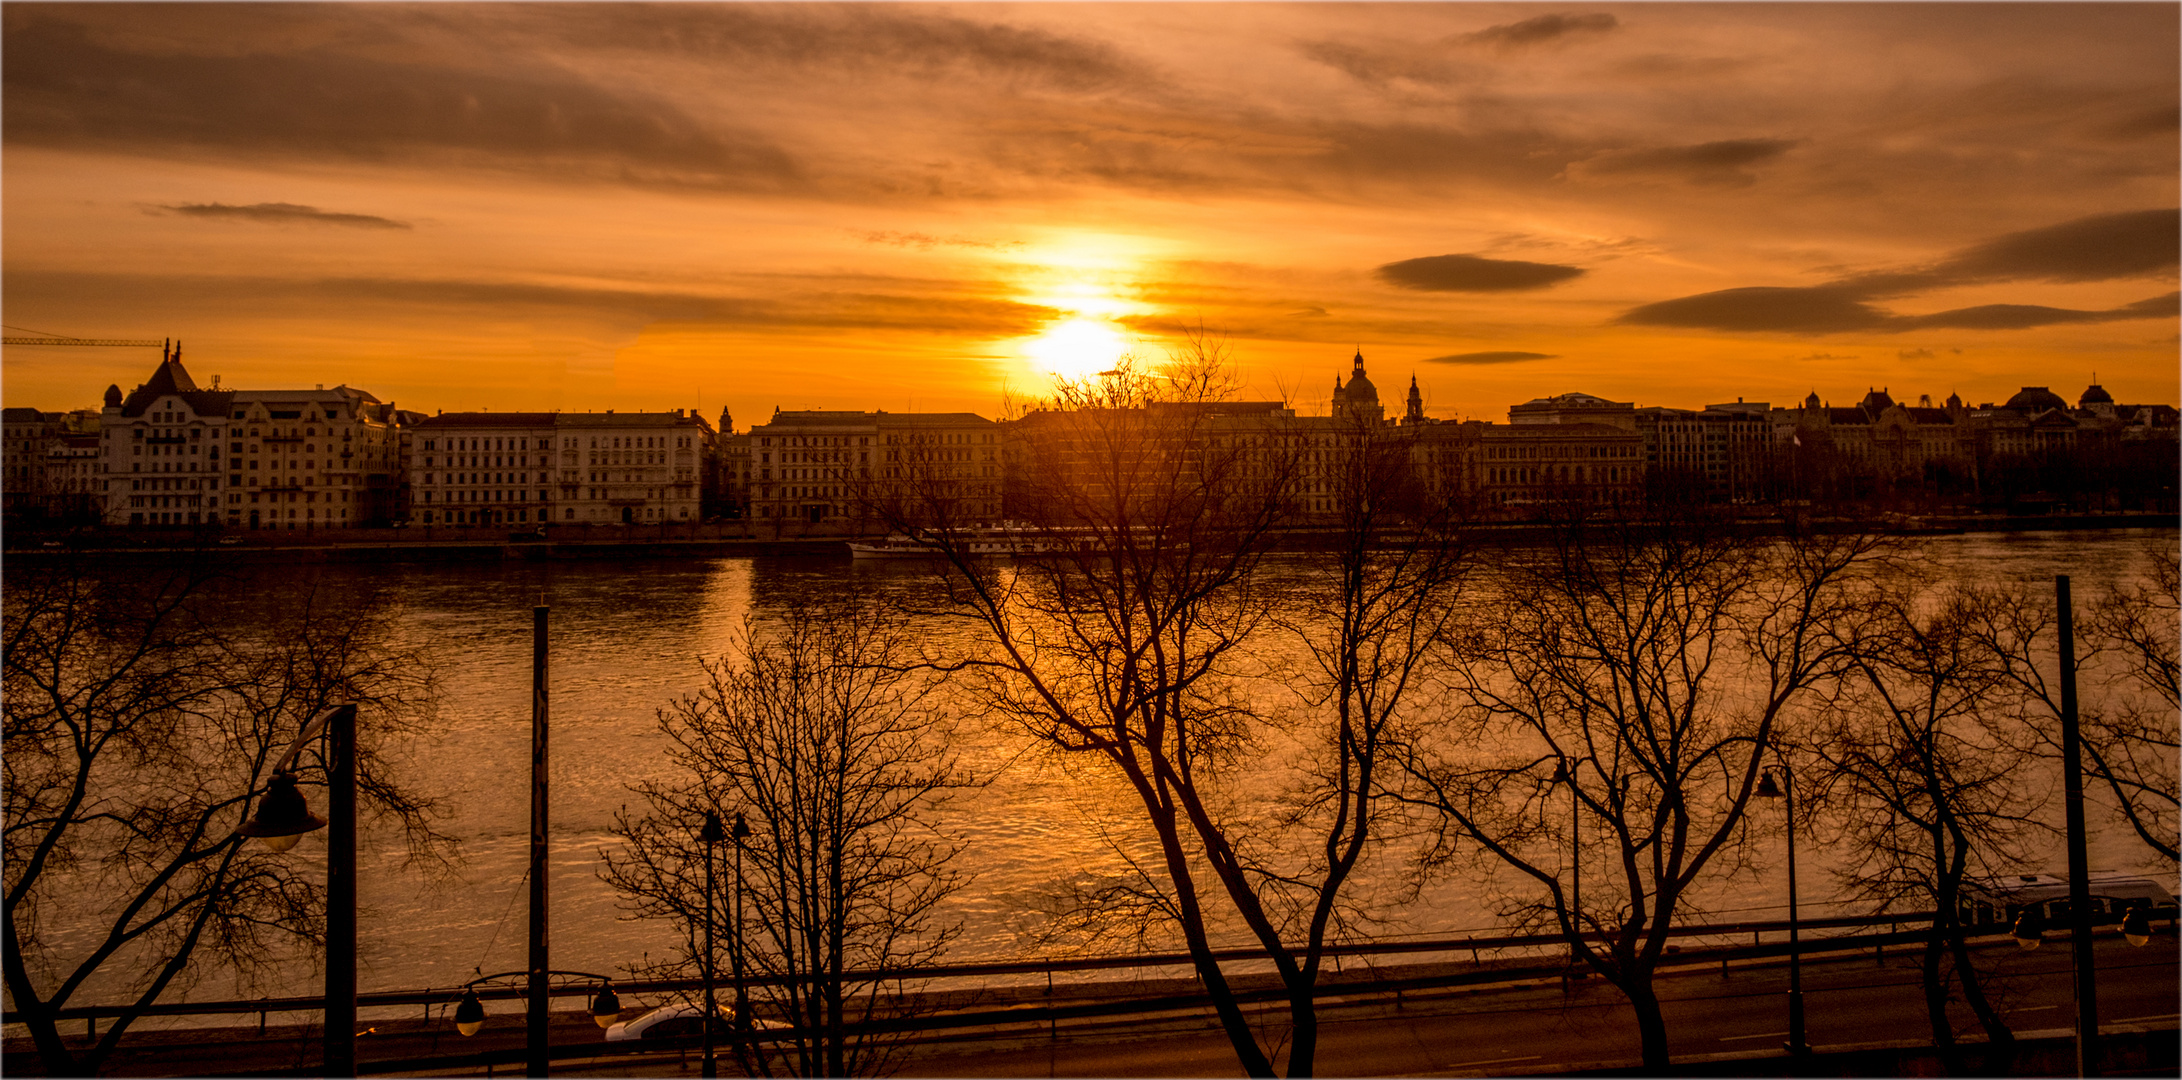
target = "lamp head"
x: 1560, y: 771
x: 741, y: 831
x: 1767, y: 789
x: 283, y: 815
x: 711, y: 833
x: 2030, y: 929
x: 469, y: 1013
x: 2136, y: 926
x: 606, y: 1005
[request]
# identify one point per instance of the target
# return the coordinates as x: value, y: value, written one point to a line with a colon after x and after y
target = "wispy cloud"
x: 1542, y: 30
x: 275, y: 213
x: 1726, y: 163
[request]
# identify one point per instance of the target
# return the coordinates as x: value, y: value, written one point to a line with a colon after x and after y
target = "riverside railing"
x: 1476, y: 946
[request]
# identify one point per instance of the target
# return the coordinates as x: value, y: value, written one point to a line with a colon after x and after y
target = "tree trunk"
x: 1651, y: 1022
x: 1997, y: 1033
x: 1303, y: 1032
x: 1935, y: 1005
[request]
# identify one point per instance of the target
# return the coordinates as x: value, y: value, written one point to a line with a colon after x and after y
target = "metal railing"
x: 1476, y: 946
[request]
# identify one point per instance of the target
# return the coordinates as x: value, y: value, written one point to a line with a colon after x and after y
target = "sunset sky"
x: 921, y: 207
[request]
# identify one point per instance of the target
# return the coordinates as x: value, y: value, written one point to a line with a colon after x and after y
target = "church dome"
x: 1360, y: 389
x: 2036, y: 399
x: 2095, y: 395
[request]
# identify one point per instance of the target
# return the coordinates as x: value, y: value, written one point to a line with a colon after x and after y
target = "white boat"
x: 979, y: 543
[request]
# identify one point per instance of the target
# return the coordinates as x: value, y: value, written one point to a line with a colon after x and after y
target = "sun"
x: 1077, y: 348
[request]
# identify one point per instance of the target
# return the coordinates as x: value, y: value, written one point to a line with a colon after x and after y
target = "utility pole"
x: 540, y: 1000
x: 2079, y: 860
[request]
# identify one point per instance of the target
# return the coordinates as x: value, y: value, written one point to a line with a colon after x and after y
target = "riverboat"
x: 978, y: 543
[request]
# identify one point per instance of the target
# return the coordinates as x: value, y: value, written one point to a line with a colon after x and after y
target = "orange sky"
x: 933, y: 207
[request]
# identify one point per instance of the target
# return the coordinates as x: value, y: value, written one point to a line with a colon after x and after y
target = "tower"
x: 1413, y: 413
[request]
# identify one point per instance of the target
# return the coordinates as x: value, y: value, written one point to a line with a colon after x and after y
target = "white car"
x: 668, y: 1022
x: 678, y: 1020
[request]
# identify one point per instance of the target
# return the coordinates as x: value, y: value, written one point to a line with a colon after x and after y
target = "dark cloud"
x: 2025, y: 316
x: 859, y: 38
x: 2140, y: 243
x: 1915, y: 354
x: 1471, y: 273
x: 822, y: 304
x: 1725, y: 163
x: 1820, y: 356
x: 2104, y: 247
x: 277, y: 213
x: 1542, y: 30
x: 63, y: 88
x: 1490, y: 358
x: 1810, y: 310
x: 1833, y: 310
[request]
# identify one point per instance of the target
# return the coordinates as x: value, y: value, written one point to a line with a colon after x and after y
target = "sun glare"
x: 1077, y: 348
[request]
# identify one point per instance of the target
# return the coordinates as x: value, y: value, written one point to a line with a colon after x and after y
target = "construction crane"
x: 44, y: 338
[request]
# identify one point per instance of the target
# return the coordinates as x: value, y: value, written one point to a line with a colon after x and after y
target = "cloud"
x: 926, y: 242
x: 62, y: 88
x: 1471, y: 273
x: 1378, y: 67
x: 2103, y: 247
x: 1811, y: 310
x: 1490, y: 358
x: 1827, y: 309
x: 1541, y: 30
x: 1719, y: 164
x: 1308, y: 313
x: 2139, y: 243
x: 826, y: 304
x: 2026, y: 316
x: 1824, y: 356
x: 277, y: 214
x: 1915, y: 354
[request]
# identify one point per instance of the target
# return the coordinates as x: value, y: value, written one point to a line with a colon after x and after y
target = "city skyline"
x: 931, y: 208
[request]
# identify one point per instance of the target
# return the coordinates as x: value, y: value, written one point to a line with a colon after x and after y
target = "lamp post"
x: 1797, y: 1044
x: 282, y: 818
x: 538, y: 1053
x: 710, y: 836
x: 2079, y: 860
x: 741, y: 833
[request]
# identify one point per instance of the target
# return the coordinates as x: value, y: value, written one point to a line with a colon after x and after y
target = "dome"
x: 2036, y: 399
x: 1877, y: 401
x: 2095, y: 395
x: 1360, y: 388
x: 113, y: 397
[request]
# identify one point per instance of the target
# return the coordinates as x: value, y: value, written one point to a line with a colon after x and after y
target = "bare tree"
x: 137, y: 719
x: 1134, y: 642
x: 2128, y: 720
x: 1644, y: 668
x: 2132, y: 736
x: 822, y: 735
x: 1919, y: 779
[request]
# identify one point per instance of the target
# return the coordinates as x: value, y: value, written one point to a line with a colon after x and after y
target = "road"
x: 1850, y: 1001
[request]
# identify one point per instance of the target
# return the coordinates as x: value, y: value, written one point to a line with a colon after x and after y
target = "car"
x: 669, y: 1021
x: 679, y: 1020
x: 230, y: 541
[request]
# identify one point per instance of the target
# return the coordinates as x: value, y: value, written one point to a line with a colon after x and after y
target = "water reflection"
x: 627, y: 638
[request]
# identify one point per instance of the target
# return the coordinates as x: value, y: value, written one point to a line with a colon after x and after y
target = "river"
x: 627, y: 638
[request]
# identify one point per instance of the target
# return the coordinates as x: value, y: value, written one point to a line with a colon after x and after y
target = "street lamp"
x: 605, y: 1005
x: 283, y: 817
x: 2136, y: 925
x: 741, y: 833
x: 710, y: 836
x: 1797, y: 1044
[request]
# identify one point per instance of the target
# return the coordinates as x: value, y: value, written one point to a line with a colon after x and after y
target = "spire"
x: 1359, y: 366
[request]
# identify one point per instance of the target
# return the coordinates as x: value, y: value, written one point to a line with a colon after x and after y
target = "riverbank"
x: 730, y: 540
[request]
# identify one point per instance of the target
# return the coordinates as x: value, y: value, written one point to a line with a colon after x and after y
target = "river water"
x: 629, y: 637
